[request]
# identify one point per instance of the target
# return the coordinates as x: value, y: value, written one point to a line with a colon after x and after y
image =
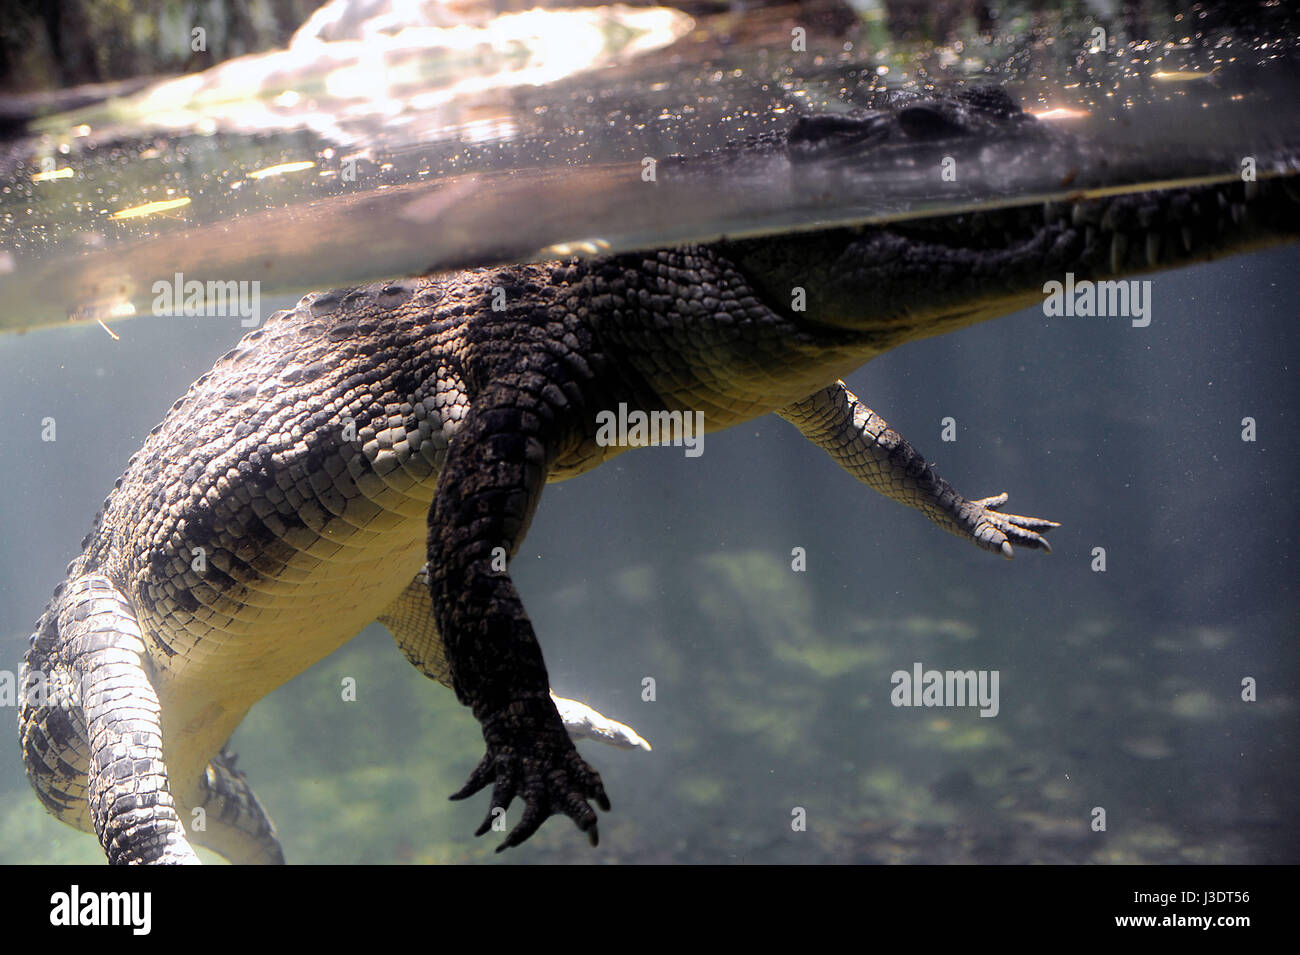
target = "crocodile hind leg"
x: 410, y: 620
x: 99, y: 710
x: 52, y: 729
x: 234, y: 824
x: 862, y: 443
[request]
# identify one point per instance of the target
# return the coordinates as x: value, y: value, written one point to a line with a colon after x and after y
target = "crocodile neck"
x: 883, y: 286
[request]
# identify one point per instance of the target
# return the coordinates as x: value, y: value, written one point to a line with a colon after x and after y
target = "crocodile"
x: 377, y: 453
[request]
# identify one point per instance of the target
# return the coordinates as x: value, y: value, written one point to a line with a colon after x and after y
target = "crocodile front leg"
x: 489, y: 487
x: 865, y: 446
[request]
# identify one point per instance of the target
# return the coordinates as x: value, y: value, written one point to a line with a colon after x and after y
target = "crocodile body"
x: 294, y: 493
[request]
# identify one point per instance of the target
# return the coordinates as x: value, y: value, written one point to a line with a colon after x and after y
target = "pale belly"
x: 291, y: 623
x: 245, y: 644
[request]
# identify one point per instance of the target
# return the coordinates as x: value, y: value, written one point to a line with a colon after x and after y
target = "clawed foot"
x: 996, y: 531
x: 529, y: 755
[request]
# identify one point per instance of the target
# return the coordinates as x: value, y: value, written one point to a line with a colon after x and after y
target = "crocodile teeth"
x: 1187, y: 238
x: 1238, y: 211
x: 1084, y: 213
x: 1153, y: 249
x: 1118, y: 251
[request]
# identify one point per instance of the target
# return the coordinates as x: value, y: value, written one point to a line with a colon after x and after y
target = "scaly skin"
x: 293, y: 494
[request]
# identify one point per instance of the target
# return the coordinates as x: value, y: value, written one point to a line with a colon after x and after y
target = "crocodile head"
x: 896, y: 282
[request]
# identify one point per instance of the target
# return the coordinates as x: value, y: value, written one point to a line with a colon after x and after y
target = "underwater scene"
x: 821, y: 675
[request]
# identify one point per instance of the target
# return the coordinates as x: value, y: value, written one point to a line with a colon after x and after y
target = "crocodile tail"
x: 86, y: 693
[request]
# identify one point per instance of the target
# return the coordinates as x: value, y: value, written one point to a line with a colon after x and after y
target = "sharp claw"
x: 1032, y: 523
x: 1023, y: 530
x: 477, y: 780
x: 463, y: 793
x: 554, y: 781
x: 509, y: 842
